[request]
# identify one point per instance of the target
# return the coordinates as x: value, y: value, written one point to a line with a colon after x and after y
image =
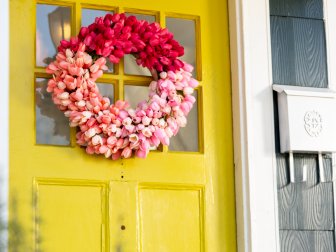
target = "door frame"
x: 254, y: 147
x: 4, y: 114
x: 252, y: 96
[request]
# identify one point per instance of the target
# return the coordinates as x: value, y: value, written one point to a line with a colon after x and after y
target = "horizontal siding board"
x: 297, y: 8
x: 298, y: 52
x: 306, y: 241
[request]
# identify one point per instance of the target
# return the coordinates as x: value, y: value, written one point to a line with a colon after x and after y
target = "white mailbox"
x: 307, y: 119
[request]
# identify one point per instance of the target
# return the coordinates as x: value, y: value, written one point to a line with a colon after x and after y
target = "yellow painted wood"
x: 171, y: 218
x: 62, y: 199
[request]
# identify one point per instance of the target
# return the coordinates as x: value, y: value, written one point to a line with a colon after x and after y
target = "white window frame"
x: 253, y: 125
x: 4, y: 111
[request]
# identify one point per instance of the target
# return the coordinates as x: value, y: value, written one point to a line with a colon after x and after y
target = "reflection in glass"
x: 130, y: 66
x: 88, y: 17
x: 184, y: 33
x: 187, y: 137
x: 52, y: 127
x: 106, y: 90
x: 53, y: 23
x: 135, y: 94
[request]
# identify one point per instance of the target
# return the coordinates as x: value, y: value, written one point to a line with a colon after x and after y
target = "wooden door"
x: 179, y: 198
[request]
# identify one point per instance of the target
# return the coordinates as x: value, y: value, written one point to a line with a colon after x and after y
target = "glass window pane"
x: 135, y: 94
x: 184, y: 33
x: 53, y: 23
x: 88, y: 17
x: 130, y: 66
x: 52, y: 127
x: 106, y: 90
x: 187, y: 137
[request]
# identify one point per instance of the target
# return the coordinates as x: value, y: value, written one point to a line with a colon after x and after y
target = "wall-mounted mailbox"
x: 307, y: 123
x: 307, y: 119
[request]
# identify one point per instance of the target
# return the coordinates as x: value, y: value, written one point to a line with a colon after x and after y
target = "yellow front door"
x: 179, y: 198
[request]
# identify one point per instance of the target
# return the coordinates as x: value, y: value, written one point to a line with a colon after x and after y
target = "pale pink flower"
x: 80, y: 104
x: 146, y: 132
x: 108, y: 153
x: 90, y: 133
x: 133, y: 138
x: 69, y: 53
x: 163, y: 75
x: 187, y: 67
x: 155, y: 121
x: 181, y: 121
x: 169, y: 132
x: 112, y: 140
x: 127, y: 152
x: 188, y: 90
x: 127, y: 121
x: 103, y: 149
x: 193, y: 83
x: 94, y: 68
x: 63, y: 96
x: 146, y: 120
x: 97, y: 140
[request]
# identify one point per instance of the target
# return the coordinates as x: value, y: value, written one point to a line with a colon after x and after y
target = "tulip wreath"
x: 115, y: 130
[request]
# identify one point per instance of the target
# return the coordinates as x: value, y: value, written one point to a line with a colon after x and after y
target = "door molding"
x: 4, y: 112
x: 253, y: 126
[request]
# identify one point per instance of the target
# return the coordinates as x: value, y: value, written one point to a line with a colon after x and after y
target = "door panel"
x: 177, y: 199
x: 65, y: 216
x: 171, y: 213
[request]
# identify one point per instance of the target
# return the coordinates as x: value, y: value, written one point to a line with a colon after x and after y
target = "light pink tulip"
x: 127, y: 152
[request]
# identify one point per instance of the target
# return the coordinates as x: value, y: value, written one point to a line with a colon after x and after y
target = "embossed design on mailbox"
x: 313, y: 123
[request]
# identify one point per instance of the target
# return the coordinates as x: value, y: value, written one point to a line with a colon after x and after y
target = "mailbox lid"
x: 307, y: 119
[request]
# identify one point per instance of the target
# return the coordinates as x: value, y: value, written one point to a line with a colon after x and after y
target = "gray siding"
x: 306, y: 209
x: 310, y: 241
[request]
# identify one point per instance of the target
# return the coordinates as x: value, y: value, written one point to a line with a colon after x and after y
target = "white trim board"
x: 253, y: 123
x: 4, y: 111
x: 329, y: 8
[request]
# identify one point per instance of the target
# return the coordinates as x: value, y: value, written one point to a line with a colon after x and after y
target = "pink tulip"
x: 116, y: 155
x: 133, y: 138
x: 111, y: 141
x: 146, y: 132
x: 127, y: 152
x: 97, y: 140
x: 193, y: 83
x: 141, y: 153
x: 103, y: 149
x: 90, y: 150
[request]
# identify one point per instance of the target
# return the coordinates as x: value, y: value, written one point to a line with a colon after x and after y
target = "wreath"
x: 116, y: 130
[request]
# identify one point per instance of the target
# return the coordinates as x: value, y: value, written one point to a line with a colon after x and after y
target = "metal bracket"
x: 321, y: 168
x: 291, y: 168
